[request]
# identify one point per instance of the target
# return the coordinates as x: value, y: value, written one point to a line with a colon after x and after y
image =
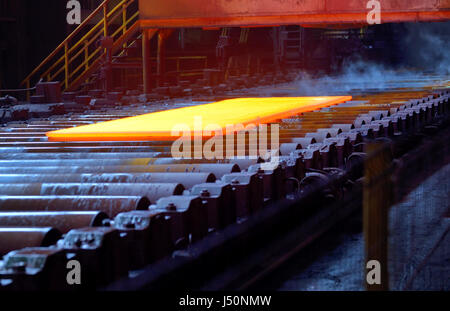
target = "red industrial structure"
x: 103, y: 41
x: 142, y: 159
x: 221, y: 13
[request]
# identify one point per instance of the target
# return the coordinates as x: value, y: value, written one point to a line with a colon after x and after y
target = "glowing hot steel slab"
x: 159, y: 125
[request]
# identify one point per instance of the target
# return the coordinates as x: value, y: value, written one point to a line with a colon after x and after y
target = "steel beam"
x: 223, y: 13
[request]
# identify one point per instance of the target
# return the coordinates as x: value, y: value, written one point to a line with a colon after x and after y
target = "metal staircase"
x: 82, y: 53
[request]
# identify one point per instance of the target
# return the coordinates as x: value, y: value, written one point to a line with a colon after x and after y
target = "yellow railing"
x: 80, y: 53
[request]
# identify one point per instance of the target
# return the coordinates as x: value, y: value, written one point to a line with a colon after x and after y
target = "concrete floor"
x: 419, y: 248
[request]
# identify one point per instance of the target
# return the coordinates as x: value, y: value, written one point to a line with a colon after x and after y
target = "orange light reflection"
x: 159, y: 125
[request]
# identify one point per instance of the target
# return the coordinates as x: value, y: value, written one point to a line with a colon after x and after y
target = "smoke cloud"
x: 425, y: 58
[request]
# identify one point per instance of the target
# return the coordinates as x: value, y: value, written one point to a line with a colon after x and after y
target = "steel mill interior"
x: 211, y: 145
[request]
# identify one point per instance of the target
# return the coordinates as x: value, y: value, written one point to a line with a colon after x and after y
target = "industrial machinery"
x: 201, y: 144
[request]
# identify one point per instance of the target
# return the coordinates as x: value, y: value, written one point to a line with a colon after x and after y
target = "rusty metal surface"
x: 150, y: 190
x: 217, y: 169
x: 62, y: 221
x: 111, y: 205
x: 188, y: 180
x: 13, y: 238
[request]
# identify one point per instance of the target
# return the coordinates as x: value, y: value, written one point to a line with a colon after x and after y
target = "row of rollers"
x: 323, y: 135
x: 284, y: 147
x: 211, y: 219
x: 156, y: 248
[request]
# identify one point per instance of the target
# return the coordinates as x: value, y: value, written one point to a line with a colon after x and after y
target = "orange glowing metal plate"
x: 159, y: 125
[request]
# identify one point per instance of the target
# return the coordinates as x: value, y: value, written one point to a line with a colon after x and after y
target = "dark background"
x: 29, y: 31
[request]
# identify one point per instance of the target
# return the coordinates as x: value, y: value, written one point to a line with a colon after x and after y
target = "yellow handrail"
x: 83, y: 64
x: 73, y: 60
x: 60, y: 47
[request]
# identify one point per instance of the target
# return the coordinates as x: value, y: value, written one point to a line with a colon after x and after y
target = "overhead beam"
x: 349, y: 19
x: 223, y: 13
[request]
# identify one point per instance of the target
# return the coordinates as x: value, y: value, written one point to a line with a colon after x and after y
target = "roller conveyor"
x: 139, y: 200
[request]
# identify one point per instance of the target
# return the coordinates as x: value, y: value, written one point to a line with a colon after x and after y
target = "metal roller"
x: 17, y: 125
x: 217, y: 169
x: 62, y: 221
x: 318, y: 136
x: 13, y: 238
x: 344, y: 127
x: 287, y: 148
x: 77, y: 162
x: 23, y: 135
x: 25, y: 130
x: 304, y: 141
x: 101, y: 162
x: 150, y: 190
x: 363, y: 120
x: 354, y: 136
x: 111, y: 205
x: 85, y: 149
x: 188, y: 180
x: 319, y: 117
x: 21, y: 139
x: 81, y: 155
x: 86, y: 144
x: 333, y: 131
x: 245, y: 163
x: 378, y: 114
